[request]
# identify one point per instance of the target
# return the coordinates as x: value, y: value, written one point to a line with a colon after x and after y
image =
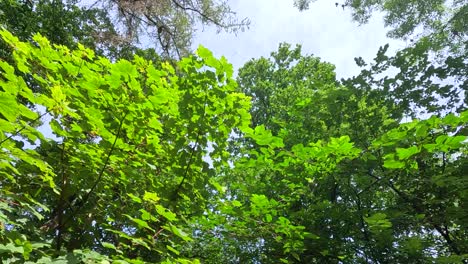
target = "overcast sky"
x: 324, y: 30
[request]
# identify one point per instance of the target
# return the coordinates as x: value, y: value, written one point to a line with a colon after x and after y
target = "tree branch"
x: 176, y: 191
x: 22, y: 128
x: 411, y: 201
x: 101, y: 173
x: 61, y: 200
x: 186, y: 8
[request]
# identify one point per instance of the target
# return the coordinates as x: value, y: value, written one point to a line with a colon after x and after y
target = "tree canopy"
x: 116, y: 28
x: 112, y: 154
x: 443, y: 22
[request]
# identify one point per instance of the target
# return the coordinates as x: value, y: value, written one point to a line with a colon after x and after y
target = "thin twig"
x: 101, y: 173
x: 21, y: 129
x: 192, y: 153
x: 198, y: 12
x: 61, y: 199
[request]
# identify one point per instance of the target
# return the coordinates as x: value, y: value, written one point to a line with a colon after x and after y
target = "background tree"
x: 115, y: 28
x: 171, y: 24
x: 62, y: 22
x: 299, y: 191
x: 443, y: 23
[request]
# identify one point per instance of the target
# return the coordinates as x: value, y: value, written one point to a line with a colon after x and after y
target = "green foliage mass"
x: 152, y: 162
x: 359, y: 184
x: 128, y: 164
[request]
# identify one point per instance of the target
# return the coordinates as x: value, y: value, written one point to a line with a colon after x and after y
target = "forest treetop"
x: 443, y: 22
x: 113, y: 154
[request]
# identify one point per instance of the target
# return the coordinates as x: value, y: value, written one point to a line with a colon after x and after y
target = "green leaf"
x: 455, y: 142
x: 108, y: 245
x: 166, y: 213
x: 134, y: 198
x: 173, y: 250
x: 11, y: 248
x: 378, y: 221
x: 145, y: 215
x: 236, y: 203
x: 8, y: 107
x: 430, y: 147
x: 151, y: 197
x: 405, y: 153
x: 139, y: 222
x: 6, y: 126
x: 178, y: 232
x: 393, y: 164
